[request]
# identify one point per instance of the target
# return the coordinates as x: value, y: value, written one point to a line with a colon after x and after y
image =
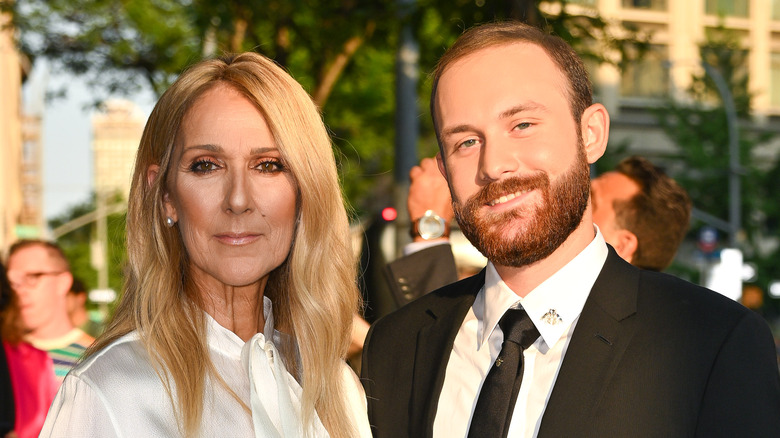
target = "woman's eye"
x: 203, y: 166
x: 270, y: 166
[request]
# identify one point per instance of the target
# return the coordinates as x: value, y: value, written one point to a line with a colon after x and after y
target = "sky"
x: 66, y: 136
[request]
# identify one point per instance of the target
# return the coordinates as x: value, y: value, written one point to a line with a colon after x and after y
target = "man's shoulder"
x: 676, y: 291
x: 690, y: 308
x: 659, y: 289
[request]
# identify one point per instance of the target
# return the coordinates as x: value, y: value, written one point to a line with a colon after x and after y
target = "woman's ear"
x: 595, y: 131
x: 151, y: 176
x: 168, y: 208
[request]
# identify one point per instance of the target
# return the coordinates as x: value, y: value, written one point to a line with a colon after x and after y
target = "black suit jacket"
x: 651, y: 356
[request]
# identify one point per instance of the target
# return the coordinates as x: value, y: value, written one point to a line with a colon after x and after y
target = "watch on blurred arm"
x: 430, y: 226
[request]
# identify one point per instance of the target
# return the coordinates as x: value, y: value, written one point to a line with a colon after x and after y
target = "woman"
x: 241, y: 286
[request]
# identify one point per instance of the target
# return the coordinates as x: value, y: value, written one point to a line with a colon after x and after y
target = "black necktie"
x: 496, y: 401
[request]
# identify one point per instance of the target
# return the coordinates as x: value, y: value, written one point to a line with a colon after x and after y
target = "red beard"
x: 550, y: 225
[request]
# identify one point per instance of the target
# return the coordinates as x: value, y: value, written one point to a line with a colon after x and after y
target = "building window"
x: 653, y: 5
x: 776, y: 9
x: 648, y: 76
x: 584, y: 2
x: 774, y: 85
x: 728, y: 8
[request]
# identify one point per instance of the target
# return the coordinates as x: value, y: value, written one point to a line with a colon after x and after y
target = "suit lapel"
x: 434, y: 345
x: 603, y: 332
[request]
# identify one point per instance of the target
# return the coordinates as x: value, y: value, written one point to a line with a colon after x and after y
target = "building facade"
x: 678, y: 28
x: 11, y: 196
x: 116, y: 132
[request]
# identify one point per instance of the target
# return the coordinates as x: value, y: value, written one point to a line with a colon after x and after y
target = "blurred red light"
x: 389, y: 214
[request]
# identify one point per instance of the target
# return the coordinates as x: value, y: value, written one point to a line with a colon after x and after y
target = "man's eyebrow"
x: 457, y: 130
x: 528, y: 106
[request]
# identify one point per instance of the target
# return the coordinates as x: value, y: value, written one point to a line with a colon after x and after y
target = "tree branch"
x: 332, y: 72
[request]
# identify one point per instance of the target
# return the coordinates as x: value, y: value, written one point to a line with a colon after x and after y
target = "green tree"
x: 342, y: 51
x: 700, y: 130
x: 76, y: 244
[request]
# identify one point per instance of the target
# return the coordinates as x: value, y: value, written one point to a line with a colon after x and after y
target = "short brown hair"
x: 580, y: 91
x: 54, y: 250
x: 658, y: 215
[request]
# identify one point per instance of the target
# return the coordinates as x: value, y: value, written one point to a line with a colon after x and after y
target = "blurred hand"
x: 428, y: 190
x: 359, y: 332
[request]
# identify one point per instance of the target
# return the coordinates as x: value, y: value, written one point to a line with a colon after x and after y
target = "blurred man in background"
x: 40, y: 274
x: 642, y: 212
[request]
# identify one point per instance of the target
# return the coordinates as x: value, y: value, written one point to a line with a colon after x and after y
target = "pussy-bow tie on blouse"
x: 274, y: 393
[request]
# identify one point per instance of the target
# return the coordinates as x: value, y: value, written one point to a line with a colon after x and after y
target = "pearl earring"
x: 169, y: 221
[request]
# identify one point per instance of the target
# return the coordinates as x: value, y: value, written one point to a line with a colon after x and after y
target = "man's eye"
x: 522, y: 126
x: 468, y: 143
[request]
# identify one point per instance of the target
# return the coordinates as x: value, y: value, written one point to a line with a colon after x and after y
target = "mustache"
x: 515, y: 184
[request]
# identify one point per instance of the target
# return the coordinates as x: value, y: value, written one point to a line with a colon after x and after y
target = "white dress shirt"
x: 554, y: 307
x: 117, y: 393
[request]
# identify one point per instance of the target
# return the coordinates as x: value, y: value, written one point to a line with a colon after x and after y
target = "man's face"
x: 605, y: 191
x: 512, y: 152
x: 41, y: 282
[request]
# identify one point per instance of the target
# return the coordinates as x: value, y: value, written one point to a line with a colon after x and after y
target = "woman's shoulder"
x: 124, y: 357
x: 356, y: 400
x: 115, y: 389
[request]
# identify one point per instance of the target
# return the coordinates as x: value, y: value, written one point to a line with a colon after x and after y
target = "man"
x: 618, y: 351
x: 642, y: 213
x: 40, y: 275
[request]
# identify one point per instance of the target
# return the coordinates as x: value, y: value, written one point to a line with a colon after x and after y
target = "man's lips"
x: 237, y: 238
x: 506, y: 198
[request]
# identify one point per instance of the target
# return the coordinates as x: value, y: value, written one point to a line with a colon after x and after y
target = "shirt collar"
x: 553, y: 305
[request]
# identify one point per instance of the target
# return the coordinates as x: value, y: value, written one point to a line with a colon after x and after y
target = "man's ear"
x: 64, y: 283
x: 595, y: 131
x: 625, y: 243
x: 442, y: 169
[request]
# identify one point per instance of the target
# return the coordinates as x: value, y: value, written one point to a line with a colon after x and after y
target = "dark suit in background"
x: 651, y: 356
x: 416, y: 274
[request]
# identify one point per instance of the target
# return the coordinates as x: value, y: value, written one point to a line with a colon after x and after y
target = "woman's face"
x: 231, y: 194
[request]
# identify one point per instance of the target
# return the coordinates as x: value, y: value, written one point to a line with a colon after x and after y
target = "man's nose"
x: 497, y: 159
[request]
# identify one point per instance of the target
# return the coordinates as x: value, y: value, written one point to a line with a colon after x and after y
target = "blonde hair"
x: 314, y: 292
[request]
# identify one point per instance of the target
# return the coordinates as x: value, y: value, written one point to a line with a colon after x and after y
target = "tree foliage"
x: 76, y: 244
x: 700, y: 129
x: 342, y: 51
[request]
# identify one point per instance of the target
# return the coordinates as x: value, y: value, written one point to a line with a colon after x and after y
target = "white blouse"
x: 117, y: 393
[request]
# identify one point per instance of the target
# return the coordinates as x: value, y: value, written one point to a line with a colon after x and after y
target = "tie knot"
x: 518, y: 328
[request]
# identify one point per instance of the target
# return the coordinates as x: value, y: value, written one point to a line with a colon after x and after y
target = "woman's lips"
x: 237, y: 238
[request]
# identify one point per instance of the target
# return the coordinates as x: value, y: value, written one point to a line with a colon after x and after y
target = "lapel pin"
x: 499, y: 361
x: 551, y: 317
